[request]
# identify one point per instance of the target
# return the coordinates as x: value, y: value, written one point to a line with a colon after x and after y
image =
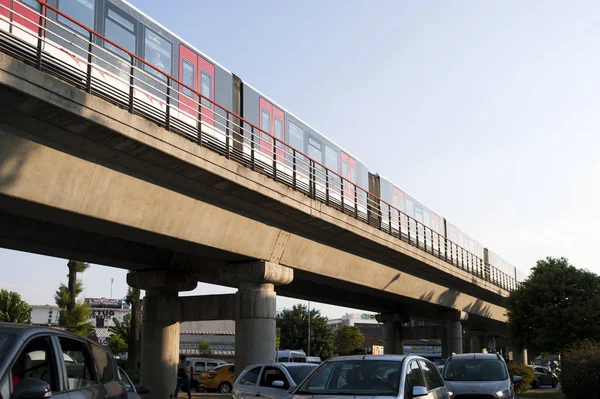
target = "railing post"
x: 275, y: 158
x: 408, y: 228
x: 417, y: 233
x: 343, y: 193
x: 355, y: 201
x: 294, y: 182
x: 88, y: 77
x: 252, y: 147
x: 40, y: 41
x: 327, y: 186
x: 227, y: 145
x: 131, y: 81
x: 311, y: 179
x: 390, y: 219
x: 168, y: 121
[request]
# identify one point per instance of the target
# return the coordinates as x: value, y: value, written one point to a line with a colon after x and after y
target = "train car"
x: 501, y: 272
x: 231, y: 117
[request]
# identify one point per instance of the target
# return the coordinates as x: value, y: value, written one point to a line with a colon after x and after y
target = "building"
x: 220, y: 336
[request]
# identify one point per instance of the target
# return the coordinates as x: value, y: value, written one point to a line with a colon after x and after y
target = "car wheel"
x: 225, y: 387
x: 554, y: 383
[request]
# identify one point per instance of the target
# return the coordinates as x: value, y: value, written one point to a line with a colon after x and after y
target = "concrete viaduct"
x: 82, y: 178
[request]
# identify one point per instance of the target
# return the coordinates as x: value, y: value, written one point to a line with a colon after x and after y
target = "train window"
x: 279, y: 132
x: 352, y: 174
x: 344, y: 167
x: 331, y: 159
x: 418, y: 214
x: 187, y: 72
x: 314, y: 149
x: 266, y: 125
x: 410, y: 207
x: 33, y: 4
x: 296, y: 137
x: 158, y: 52
x: 426, y: 218
x: 120, y: 30
x: 206, y: 90
x: 79, y: 10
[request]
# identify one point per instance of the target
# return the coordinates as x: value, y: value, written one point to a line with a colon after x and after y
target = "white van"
x: 291, y: 356
x: 313, y: 359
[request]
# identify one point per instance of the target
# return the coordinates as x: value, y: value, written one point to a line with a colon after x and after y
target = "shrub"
x: 526, y: 373
x: 580, y: 371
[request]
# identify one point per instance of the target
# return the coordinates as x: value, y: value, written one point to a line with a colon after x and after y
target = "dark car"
x: 543, y: 376
x: 39, y: 362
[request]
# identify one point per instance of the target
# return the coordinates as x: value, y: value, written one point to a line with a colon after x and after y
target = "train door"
x: 271, y: 121
x: 197, y: 73
x: 349, y: 173
x: 25, y: 13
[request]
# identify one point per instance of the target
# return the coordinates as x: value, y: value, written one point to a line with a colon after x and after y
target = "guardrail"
x: 92, y: 62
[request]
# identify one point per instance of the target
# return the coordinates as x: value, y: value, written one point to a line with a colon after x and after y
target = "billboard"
x: 104, y: 303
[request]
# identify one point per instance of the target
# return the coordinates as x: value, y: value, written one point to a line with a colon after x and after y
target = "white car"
x: 270, y: 380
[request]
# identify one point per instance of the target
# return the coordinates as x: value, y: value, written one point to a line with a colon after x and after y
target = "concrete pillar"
x: 519, y: 357
x: 392, y: 332
x: 454, y: 338
x: 255, y: 325
x: 160, y: 328
x: 255, y: 313
x: 160, y: 344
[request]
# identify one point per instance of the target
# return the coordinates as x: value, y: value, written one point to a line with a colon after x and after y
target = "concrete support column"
x: 392, y: 332
x: 255, y: 309
x: 519, y: 357
x: 255, y: 325
x: 453, y: 342
x: 160, y: 343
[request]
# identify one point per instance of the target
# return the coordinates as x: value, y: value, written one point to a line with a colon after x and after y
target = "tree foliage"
x: 580, y: 370
x: 121, y: 329
x: 117, y: 344
x: 523, y: 371
x: 294, y: 331
x: 204, y: 348
x: 348, y: 339
x: 13, y: 309
x: 556, y: 306
x: 135, y: 328
x: 74, y: 315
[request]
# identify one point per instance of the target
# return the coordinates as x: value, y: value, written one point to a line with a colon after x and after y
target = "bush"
x: 580, y: 371
x: 526, y: 373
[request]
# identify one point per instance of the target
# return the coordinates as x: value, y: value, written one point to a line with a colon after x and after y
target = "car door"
x: 246, y: 387
x: 36, y: 359
x: 270, y: 383
x: 436, y: 386
x: 413, y: 377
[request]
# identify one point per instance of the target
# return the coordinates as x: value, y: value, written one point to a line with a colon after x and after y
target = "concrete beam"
x: 208, y: 307
x: 256, y: 272
x: 162, y: 280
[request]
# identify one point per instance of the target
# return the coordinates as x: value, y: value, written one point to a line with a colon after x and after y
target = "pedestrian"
x: 183, y: 377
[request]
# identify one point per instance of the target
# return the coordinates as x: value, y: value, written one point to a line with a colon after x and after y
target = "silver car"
x: 371, y: 376
x: 270, y: 380
x: 134, y: 393
x: 479, y: 374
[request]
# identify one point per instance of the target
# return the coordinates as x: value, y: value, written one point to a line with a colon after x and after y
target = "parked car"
x: 543, y: 376
x: 363, y: 376
x: 479, y: 374
x: 134, y: 393
x: 36, y: 362
x: 219, y: 379
x: 200, y: 367
x: 271, y: 380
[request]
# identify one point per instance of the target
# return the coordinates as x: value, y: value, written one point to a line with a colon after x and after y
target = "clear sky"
x: 487, y: 112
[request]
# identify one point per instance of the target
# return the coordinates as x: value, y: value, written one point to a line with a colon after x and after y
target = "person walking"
x: 183, y: 378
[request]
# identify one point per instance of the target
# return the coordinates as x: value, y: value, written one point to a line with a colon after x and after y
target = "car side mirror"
x: 419, y: 391
x: 292, y: 388
x: 517, y: 379
x: 143, y: 390
x: 277, y: 384
x: 32, y: 388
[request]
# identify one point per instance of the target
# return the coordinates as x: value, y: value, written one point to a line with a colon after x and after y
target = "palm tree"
x: 75, y: 266
x: 135, y: 332
x: 74, y: 315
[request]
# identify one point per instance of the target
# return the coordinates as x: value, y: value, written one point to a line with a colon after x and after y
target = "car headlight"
x: 450, y: 393
x: 505, y: 393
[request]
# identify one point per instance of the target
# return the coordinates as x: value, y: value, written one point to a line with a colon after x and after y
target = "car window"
x: 432, y: 377
x: 271, y: 374
x: 36, y: 360
x: 414, y: 378
x: 250, y: 377
x: 469, y: 369
x: 126, y: 381
x: 212, y: 365
x: 82, y: 373
x: 199, y: 367
x: 5, y: 387
x: 299, y: 373
x: 232, y: 369
x: 105, y: 365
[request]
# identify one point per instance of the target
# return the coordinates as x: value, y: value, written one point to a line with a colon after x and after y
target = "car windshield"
x: 475, y: 370
x: 358, y: 377
x: 4, y: 341
x: 299, y: 373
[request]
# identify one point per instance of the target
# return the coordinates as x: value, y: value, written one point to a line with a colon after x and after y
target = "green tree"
x: 74, y: 315
x: 13, y: 309
x: 135, y: 328
x: 556, y: 306
x: 122, y: 329
x: 294, y: 331
x: 117, y: 344
x: 204, y: 348
x: 348, y: 339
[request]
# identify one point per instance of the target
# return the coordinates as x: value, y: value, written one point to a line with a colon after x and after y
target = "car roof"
x: 369, y: 357
x: 27, y: 330
x: 475, y: 356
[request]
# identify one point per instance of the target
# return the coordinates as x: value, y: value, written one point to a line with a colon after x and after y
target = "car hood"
x: 476, y: 387
x: 338, y: 397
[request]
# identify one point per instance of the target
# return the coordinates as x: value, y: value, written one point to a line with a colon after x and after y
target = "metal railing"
x: 86, y: 59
